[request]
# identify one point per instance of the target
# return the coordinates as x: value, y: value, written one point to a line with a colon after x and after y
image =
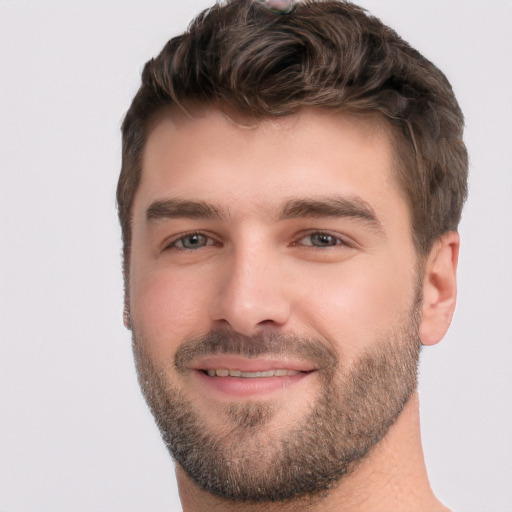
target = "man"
x: 293, y: 177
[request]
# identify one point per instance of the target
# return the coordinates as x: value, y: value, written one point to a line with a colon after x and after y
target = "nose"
x: 251, y: 293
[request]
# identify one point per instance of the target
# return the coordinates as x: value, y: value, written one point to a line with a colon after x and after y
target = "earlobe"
x: 439, y: 288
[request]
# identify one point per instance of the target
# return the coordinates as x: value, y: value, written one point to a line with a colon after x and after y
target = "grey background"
x: 75, y: 434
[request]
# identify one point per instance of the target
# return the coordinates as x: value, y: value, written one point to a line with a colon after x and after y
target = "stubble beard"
x: 253, y: 460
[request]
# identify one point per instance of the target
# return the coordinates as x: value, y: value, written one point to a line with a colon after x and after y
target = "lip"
x: 255, y: 387
x: 244, y: 364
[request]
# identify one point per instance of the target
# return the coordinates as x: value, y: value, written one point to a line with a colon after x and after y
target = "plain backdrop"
x: 75, y: 434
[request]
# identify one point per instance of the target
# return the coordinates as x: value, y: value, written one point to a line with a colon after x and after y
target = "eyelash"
x: 338, y: 241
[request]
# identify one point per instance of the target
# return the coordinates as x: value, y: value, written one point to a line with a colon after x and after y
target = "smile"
x: 250, y: 375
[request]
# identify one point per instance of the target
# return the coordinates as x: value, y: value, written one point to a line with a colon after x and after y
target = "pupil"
x: 323, y: 239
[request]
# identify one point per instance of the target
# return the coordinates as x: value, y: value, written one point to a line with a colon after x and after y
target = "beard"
x: 254, y: 459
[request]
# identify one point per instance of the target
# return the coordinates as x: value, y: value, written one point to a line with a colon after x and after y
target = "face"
x: 274, y: 297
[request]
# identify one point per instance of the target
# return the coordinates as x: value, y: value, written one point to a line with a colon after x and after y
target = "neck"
x: 391, y: 478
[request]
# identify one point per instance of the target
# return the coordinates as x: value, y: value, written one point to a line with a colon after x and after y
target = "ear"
x: 439, y: 288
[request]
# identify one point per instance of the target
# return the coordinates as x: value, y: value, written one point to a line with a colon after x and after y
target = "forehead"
x: 252, y: 171
x: 315, y: 149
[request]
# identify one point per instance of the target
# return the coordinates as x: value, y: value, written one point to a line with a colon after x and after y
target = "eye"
x: 191, y: 241
x: 320, y: 240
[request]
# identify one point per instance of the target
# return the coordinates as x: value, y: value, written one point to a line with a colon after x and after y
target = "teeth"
x: 250, y: 375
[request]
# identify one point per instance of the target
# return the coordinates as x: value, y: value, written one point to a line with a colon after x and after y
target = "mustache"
x: 260, y: 345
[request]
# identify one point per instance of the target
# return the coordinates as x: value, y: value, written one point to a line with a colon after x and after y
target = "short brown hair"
x: 241, y: 56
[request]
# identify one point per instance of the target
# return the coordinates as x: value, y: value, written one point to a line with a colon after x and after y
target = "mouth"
x: 249, y: 375
x: 234, y: 377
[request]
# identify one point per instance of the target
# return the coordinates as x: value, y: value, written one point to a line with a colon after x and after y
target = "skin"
x: 261, y: 272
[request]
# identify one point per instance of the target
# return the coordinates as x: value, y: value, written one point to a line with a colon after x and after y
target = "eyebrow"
x: 174, y: 208
x: 352, y: 207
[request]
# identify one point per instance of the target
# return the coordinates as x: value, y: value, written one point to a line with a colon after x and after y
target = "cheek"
x: 357, y: 303
x: 166, y: 308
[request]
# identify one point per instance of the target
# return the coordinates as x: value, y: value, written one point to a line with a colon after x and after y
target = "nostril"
x: 268, y: 322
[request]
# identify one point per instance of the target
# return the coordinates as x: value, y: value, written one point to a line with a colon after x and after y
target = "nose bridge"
x: 251, y: 293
